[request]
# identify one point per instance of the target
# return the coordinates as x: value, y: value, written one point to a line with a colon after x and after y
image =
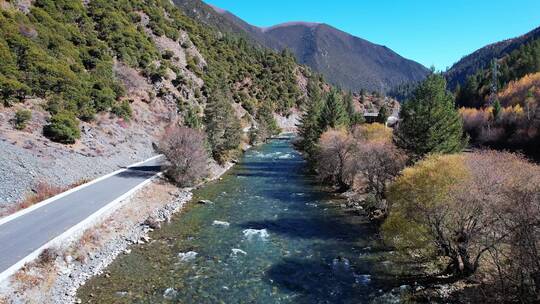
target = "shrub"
x: 422, y: 213
x: 12, y: 90
x: 185, y: 150
x: 193, y: 64
x: 514, y: 127
x: 509, y: 188
x: 47, y: 256
x: 192, y: 118
x: 378, y: 162
x: 122, y: 110
x: 333, y: 157
x: 21, y: 118
x: 167, y: 55
x: 63, y: 128
x: 372, y: 132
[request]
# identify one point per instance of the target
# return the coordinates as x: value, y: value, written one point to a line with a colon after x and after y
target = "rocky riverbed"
x: 71, y: 275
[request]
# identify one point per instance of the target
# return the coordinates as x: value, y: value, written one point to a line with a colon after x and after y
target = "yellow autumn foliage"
x: 425, y: 186
x: 375, y: 132
x: 516, y: 92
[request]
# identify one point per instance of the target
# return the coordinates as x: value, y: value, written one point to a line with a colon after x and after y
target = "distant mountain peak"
x: 218, y: 10
x: 345, y: 60
x: 291, y: 23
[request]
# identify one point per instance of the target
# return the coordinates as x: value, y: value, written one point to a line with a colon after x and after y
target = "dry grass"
x: 42, y: 191
x: 41, y: 272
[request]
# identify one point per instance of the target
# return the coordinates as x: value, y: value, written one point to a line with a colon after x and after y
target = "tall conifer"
x: 429, y: 121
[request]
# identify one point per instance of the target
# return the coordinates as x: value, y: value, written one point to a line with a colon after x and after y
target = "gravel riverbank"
x: 72, y: 275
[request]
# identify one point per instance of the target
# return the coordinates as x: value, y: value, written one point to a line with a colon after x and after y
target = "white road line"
x: 74, y: 231
x: 56, y: 197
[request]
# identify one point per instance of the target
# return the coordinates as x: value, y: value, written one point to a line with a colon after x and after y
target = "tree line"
x: 470, y: 215
x: 64, y: 51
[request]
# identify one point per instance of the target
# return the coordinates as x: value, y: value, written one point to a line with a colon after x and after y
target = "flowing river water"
x: 272, y: 235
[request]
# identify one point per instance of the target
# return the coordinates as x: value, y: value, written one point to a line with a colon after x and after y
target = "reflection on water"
x: 271, y: 236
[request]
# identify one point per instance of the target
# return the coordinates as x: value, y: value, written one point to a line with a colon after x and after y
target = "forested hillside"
x: 502, y: 109
x: 520, y: 62
x: 92, y: 84
x: 345, y: 60
x: 65, y: 53
x: 481, y: 59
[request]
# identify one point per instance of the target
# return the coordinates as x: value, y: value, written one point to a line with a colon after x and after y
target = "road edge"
x: 78, y: 228
x: 22, y: 212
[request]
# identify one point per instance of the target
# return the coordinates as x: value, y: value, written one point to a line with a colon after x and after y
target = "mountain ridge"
x: 324, y: 48
x: 481, y: 58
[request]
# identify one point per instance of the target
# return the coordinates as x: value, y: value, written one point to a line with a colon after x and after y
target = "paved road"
x: 23, y: 235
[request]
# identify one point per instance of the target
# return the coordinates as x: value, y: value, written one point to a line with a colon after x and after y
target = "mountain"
x: 481, y: 58
x: 222, y: 20
x: 345, y: 60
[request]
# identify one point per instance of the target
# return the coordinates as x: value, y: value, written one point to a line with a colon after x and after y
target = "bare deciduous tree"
x: 378, y: 162
x: 480, y: 210
x: 185, y: 150
x: 333, y: 156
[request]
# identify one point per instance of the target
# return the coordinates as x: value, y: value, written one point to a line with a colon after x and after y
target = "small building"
x: 371, y: 117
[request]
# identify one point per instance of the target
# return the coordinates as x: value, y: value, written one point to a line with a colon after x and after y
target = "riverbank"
x: 58, y: 272
x: 271, y: 235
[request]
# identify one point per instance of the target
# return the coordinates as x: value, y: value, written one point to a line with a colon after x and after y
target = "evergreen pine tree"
x: 496, y: 109
x: 334, y: 114
x: 349, y: 104
x: 222, y: 126
x: 308, y: 127
x: 267, y: 125
x: 382, y: 117
x: 354, y: 116
x: 430, y: 122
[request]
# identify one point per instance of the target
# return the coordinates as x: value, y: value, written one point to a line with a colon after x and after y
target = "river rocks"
x: 187, y: 256
x: 170, y: 294
x: 236, y: 251
x: 253, y: 233
x: 363, y: 279
x: 221, y: 223
x: 68, y: 259
x: 152, y: 223
x: 377, y: 215
x: 341, y: 264
x: 66, y: 285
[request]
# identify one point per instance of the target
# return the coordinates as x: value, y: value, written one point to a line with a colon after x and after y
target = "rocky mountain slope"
x: 344, y: 60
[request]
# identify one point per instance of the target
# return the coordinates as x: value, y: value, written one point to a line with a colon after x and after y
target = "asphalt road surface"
x: 27, y: 233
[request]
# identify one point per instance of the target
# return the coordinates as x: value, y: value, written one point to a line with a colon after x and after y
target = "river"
x: 272, y: 235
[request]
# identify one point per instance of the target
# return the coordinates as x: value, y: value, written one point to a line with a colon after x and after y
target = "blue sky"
x: 432, y: 32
